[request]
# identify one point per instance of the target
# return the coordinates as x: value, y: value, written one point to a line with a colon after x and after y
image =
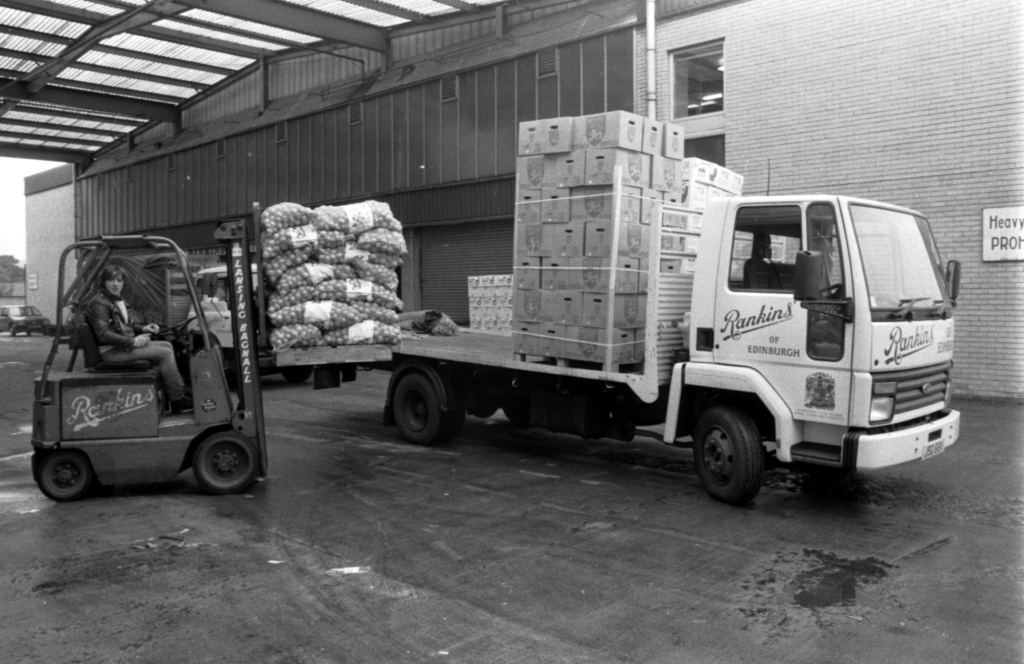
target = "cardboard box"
x: 671, y: 266
x: 650, y: 206
x: 685, y: 221
x: 562, y: 306
x: 673, y: 141
x: 677, y: 243
x: 550, y: 239
x: 654, y: 137
x: 715, y: 192
x: 528, y: 206
x: 617, y: 129
x: 545, y: 136
x: 555, y: 206
x: 570, y: 169
x: 597, y: 203
x: 666, y: 174
x: 634, y: 239
x: 692, y: 195
x: 536, y: 172
x: 527, y: 272
x: 558, y: 273
x: 706, y: 172
x: 596, y: 271
x: 639, y: 347
x: 525, y: 337
x: 590, y: 344
x: 644, y: 277
x: 629, y: 311
x: 601, y: 163
x: 551, y: 342
x: 527, y: 306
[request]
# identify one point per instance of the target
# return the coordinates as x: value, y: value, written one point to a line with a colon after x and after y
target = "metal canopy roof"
x: 76, y: 76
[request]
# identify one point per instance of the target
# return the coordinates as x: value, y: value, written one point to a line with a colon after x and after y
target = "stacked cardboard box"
x: 490, y: 303
x: 565, y: 230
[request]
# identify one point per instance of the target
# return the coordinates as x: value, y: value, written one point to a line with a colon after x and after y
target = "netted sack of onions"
x: 302, y: 335
x: 367, y: 332
x: 286, y: 215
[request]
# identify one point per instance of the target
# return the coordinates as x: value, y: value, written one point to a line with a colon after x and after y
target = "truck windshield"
x: 901, y: 262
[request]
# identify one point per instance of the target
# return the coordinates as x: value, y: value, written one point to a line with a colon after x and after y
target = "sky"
x: 12, y: 202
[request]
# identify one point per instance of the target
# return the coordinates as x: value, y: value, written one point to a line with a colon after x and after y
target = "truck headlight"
x: 881, y: 409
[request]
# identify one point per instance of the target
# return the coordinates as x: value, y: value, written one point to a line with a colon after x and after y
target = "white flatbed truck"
x: 814, y: 329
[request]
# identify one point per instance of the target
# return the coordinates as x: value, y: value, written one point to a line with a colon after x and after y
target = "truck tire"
x: 225, y: 463
x: 65, y: 475
x: 417, y: 411
x: 298, y: 374
x: 728, y: 454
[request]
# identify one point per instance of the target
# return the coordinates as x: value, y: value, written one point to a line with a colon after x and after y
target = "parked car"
x: 22, y: 318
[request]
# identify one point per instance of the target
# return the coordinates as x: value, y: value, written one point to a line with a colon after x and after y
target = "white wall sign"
x: 1003, y: 233
x: 33, y: 281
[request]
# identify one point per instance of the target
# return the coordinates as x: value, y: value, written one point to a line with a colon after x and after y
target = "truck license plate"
x: 932, y: 449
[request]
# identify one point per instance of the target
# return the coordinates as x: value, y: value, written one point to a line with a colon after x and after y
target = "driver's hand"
x: 141, y: 340
x: 152, y: 328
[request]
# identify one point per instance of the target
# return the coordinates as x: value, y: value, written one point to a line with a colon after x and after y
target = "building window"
x: 698, y: 75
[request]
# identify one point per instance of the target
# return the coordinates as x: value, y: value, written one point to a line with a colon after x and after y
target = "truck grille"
x: 914, y: 388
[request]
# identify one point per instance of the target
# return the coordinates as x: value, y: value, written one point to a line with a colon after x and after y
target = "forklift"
x: 108, y: 423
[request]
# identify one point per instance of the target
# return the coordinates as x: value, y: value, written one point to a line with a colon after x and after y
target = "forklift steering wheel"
x: 175, y: 330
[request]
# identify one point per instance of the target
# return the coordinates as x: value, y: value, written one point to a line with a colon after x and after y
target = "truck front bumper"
x: 879, y: 450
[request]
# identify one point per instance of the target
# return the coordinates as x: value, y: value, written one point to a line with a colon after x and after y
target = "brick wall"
x: 914, y: 103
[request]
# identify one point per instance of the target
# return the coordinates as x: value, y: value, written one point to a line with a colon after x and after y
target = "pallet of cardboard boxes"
x: 588, y: 190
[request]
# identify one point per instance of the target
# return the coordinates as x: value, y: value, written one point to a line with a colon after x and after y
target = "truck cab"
x: 831, y: 319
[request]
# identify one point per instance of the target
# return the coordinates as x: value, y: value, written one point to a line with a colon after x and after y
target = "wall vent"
x: 355, y: 113
x: 547, y: 62
x: 222, y: 148
x: 449, y: 88
x: 170, y: 162
x: 281, y: 132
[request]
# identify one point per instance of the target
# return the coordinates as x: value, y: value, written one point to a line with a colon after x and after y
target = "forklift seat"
x: 86, y: 339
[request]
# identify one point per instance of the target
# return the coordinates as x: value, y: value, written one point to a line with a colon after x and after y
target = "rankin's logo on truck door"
x: 736, y: 324
x: 903, y: 344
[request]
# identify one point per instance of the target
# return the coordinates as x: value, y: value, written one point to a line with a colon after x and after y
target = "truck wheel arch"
x: 448, y: 395
x: 744, y: 384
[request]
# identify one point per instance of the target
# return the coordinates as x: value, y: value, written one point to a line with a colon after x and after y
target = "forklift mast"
x: 248, y: 417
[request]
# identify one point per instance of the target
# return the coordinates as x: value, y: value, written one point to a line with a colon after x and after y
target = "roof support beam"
x: 459, y: 4
x: 90, y: 101
x: 163, y: 60
x: 45, y: 154
x: 61, y: 127
x: 23, y: 136
x: 70, y: 115
x: 298, y: 19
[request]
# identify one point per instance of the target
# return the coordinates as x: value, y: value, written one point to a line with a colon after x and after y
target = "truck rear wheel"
x: 65, y: 475
x: 224, y: 463
x: 299, y: 374
x: 417, y: 410
x: 728, y: 455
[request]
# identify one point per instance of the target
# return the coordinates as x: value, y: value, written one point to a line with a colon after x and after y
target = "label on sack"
x: 359, y: 287
x: 301, y: 235
x: 361, y: 332
x: 316, y: 312
x: 351, y: 254
x: 319, y: 272
x: 360, y: 218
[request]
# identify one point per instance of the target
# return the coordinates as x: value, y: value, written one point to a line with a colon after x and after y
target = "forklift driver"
x: 129, y: 340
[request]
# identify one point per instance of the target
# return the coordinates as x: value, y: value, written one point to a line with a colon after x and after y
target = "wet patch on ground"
x: 812, y: 589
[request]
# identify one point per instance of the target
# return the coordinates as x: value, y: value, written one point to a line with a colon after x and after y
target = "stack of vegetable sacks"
x: 330, y: 274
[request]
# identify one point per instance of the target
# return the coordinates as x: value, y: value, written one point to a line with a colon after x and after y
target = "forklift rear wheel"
x: 728, y: 454
x: 298, y: 374
x: 65, y: 475
x: 224, y: 463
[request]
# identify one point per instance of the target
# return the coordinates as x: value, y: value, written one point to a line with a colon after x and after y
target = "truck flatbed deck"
x: 492, y: 350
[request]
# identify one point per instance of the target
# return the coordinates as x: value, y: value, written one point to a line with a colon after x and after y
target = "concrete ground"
x: 509, y: 545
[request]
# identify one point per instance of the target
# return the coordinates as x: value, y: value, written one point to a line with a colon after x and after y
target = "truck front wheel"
x: 728, y: 454
x: 299, y: 374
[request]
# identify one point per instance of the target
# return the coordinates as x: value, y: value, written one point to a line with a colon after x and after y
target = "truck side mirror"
x: 809, y: 278
x: 953, y: 279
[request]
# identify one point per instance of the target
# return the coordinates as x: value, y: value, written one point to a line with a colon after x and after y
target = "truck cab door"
x: 806, y: 356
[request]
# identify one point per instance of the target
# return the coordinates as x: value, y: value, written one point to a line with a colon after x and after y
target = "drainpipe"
x: 652, y: 96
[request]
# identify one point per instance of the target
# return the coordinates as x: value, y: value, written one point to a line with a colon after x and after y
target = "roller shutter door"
x: 450, y: 254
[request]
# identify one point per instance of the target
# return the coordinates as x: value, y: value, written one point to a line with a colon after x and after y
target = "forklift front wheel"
x: 65, y: 475
x: 225, y: 463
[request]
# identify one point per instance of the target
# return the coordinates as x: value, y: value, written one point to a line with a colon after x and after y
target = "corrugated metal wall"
x: 400, y: 140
